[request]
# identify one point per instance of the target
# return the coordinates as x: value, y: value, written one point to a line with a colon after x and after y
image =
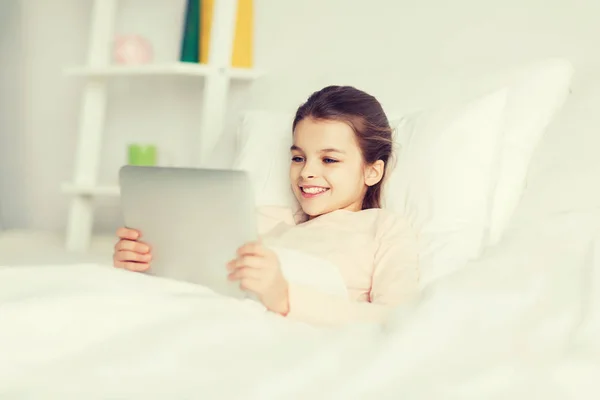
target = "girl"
x: 342, y: 143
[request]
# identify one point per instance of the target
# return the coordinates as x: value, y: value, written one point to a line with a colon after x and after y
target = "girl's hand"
x: 258, y: 270
x: 130, y: 253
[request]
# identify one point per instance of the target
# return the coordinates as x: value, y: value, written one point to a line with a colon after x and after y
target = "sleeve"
x: 394, y: 282
x: 396, y: 274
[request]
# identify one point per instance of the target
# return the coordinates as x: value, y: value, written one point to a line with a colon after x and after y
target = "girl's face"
x: 327, y: 171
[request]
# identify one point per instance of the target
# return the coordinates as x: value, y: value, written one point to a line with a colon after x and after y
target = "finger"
x: 252, y: 248
x: 248, y: 261
x: 250, y: 285
x: 132, y: 245
x: 132, y: 266
x: 127, y: 233
x: 126, y: 255
x: 245, y: 273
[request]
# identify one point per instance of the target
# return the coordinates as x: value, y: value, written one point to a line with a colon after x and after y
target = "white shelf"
x: 169, y: 69
x: 99, y: 69
x: 96, y: 190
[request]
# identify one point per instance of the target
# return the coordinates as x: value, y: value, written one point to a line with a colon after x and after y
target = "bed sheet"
x: 503, y: 327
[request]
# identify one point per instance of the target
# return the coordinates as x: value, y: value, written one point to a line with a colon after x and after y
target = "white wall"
x: 409, y: 54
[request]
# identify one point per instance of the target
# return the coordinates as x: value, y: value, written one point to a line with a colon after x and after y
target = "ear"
x: 374, y: 173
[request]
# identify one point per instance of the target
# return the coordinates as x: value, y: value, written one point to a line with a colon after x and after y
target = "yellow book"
x: 244, y: 33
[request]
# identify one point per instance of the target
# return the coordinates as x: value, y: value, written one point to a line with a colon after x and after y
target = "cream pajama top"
x: 376, y: 253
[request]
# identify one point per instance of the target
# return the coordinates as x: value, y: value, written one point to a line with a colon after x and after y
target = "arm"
x: 395, y: 281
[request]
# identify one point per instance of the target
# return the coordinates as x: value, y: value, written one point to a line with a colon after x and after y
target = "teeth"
x: 313, y: 190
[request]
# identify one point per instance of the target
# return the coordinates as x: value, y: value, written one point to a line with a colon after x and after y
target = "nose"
x: 308, y: 171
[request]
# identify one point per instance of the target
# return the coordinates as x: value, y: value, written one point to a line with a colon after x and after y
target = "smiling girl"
x: 342, y: 145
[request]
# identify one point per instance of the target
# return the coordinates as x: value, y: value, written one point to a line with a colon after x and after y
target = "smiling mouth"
x: 309, y: 192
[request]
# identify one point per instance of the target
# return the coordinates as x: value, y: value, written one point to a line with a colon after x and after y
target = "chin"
x: 313, y: 210
x: 312, y: 214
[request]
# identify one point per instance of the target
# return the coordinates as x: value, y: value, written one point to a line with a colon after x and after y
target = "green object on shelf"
x: 139, y: 154
x: 191, y: 32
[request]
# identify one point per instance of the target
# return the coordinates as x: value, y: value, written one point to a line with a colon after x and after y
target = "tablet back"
x: 193, y: 219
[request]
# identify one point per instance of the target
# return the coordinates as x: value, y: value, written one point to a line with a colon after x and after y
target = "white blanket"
x: 506, y: 326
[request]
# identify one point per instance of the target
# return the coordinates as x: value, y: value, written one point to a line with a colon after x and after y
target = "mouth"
x: 309, y: 192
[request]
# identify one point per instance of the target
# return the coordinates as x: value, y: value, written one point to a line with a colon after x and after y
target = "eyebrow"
x: 327, y: 150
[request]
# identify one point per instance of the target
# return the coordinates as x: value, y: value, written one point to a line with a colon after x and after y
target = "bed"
x: 509, y: 309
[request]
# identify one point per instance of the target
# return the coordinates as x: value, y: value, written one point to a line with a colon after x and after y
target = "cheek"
x: 349, y: 178
x: 294, y: 172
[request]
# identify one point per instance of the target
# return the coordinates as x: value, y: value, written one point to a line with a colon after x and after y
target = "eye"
x: 297, y: 159
x: 329, y: 160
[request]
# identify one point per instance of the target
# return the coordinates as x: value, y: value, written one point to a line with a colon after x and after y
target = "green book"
x: 191, y: 32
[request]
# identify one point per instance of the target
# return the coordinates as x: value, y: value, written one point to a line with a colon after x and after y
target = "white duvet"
x: 517, y: 324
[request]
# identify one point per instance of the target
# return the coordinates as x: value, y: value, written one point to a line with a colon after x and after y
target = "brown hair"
x: 363, y: 113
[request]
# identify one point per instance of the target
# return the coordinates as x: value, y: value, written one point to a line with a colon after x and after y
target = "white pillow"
x: 442, y: 182
x: 264, y: 141
x: 444, y: 179
x: 535, y: 96
x: 537, y: 93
